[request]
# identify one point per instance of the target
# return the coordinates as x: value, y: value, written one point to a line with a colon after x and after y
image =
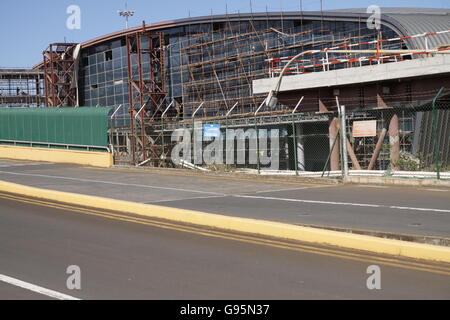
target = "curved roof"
x: 404, y: 21
x: 416, y: 23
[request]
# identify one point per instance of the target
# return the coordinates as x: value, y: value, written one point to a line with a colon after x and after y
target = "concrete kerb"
x: 237, y: 175
x: 244, y: 225
x: 414, y: 182
x: 351, y: 179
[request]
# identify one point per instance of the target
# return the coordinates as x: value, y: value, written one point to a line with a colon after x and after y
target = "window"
x: 108, y: 55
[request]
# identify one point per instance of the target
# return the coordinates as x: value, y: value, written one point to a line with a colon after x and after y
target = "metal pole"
x: 329, y: 155
x: 170, y: 104
x: 257, y: 146
x: 394, y: 141
x: 344, y: 142
x: 257, y: 136
x: 436, y: 140
x: 294, y: 136
x: 226, y: 121
x: 137, y: 114
x: 162, y: 137
x: 115, y: 111
x: 162, y: 127
x: 339, y: 128
x: 193, y: 131
x: 295, y: 145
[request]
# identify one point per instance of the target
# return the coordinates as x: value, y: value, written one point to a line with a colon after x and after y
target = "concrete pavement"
x: 399, y: 210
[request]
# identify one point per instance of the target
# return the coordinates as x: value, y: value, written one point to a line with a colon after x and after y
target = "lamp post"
x: 272, y: 100
x: 126, y: 13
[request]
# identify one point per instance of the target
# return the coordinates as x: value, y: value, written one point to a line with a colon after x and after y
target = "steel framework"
x: 21, y: 87
x: 59, y: 75
x: 147, y: 90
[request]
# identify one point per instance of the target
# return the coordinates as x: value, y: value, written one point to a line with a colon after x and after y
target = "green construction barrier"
x: 80, y: 126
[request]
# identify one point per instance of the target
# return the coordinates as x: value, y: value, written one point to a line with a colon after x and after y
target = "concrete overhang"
x: 437, y: 65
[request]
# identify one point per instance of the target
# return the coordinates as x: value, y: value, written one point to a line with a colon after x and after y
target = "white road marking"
x: 369, y: 186
x: 3, y: 165
x: 438, y: 190
x: 183, y: 199
x: 37, y: 289
x: 280, y: 190
x: 343, y: 203
x: 114, y: 183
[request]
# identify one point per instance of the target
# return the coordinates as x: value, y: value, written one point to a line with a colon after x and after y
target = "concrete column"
x: 335, y: 153
x: 394, y: 141
x: 300, y: 147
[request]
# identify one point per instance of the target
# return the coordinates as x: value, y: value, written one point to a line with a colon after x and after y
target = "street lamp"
x: 126, y: 13
x: 272, y: 99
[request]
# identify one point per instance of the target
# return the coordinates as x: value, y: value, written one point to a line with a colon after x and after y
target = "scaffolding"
x: 222, y: 64
x: 60, y: 75
x: 148, y: 96
x: 21, y: 87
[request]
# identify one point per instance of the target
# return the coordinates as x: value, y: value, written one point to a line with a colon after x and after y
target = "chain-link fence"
x: 411, y: 140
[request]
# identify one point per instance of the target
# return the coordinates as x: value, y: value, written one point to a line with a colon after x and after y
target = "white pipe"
x: 139, y: 110
x: 201, y: 104
x: 298, y: 104
x: 115, y: 111
x: 167, y: 109
x: 192, y: 166
x: 234, y: 106
x: 400, y: 51
x: 262, y: 103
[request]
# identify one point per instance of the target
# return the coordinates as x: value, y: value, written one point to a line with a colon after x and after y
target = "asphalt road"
x: 143, y: 260
x: 404, y: 210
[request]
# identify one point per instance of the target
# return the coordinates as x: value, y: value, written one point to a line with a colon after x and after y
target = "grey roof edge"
x: 387, y: 19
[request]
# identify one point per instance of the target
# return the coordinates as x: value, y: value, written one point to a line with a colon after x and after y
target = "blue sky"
x: 28, y: 26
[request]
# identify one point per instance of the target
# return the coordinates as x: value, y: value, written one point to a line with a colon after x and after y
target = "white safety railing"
x: 379, y: 55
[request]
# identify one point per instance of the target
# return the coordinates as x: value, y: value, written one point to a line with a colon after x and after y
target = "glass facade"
x: 215, y: 62
x: 104, y: 75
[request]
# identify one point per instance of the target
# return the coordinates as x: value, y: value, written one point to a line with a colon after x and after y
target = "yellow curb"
x: 246, y: 225
x: 92, y: 158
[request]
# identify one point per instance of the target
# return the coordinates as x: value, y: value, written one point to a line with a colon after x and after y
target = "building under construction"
x: 21, y: 87
x: 169, y: 75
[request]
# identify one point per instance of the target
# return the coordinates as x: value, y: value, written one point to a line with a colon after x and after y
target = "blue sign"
x: 211, y: 130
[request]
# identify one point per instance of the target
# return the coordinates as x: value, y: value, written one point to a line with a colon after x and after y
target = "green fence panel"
x: 82, y: 126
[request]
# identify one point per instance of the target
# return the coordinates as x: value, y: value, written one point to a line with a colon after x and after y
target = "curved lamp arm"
x: 271, y: 99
